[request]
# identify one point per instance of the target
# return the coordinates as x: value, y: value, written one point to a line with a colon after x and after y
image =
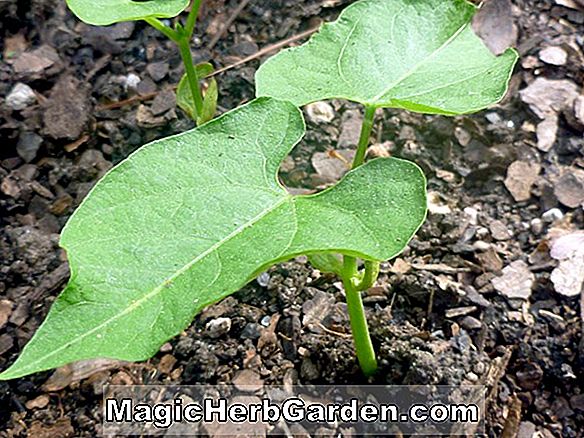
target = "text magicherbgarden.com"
x: 164, y: 415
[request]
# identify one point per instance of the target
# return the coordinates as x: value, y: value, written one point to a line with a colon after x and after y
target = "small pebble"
x: 459, y: 311
x: 553, y: 55
x: 527, y: 430
x: 131, y: 81
x: 536, y: 226
x: 516, y: 282
x: 470, y: 323
x: 263, y: 279
x: 479, y: 368
x: 28, y: 145
x: 218, y: 327
x: 320, y: 112
x: 462, y: 135
x: 552, y: 215
x: 248, y: 381
x: 499, y: 230
x: 569, y: 188
x: 21, y: 97
x: 251, y: 331
x: 38, y: 403
x: 5, y: 311
x: 167, y: 364
x: 157, y: 70
x: 472, y: 215
x: 494, y: 118
x: 480, y: 245
x: 472, y: 377
x: 167, y: 347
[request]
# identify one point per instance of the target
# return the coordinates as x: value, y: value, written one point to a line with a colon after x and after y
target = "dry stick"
x: 258, y: 54
x: 228, y: 23
x: 266, y: 50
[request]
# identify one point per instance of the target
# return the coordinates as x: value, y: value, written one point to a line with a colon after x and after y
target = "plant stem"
x: 364, y: 136
x: 192, y: 18
x: 187, y: 58
x: 361, y: 337
x: 182, y: 37
x: 369, y: 276
x: 160, y: 26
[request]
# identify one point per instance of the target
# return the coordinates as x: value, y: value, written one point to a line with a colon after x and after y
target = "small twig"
x: 74, y: 145
x: 128, y: 101
x: 266, y: 50
x: 332, y: 332
x: 228, y: 23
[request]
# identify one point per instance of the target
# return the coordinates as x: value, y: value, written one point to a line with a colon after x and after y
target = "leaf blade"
x: 378, y: 54
x: 106, y: 12
x: 220, y: 215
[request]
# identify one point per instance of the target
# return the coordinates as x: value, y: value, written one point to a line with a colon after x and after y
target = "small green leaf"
x: 104, y: 12
x: 204, y: 69
x: 187, y: 220
x: 418, y: 55
x: 209, y: 103
x: 326, y: 262
x: 184, y: 97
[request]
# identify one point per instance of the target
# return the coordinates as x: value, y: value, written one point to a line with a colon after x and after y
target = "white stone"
x: 472, y: 214
x: 132, y: 81
x: 320, y: 112
x: 552, y: 215
x: 553, y: 55
x: 20, y: 97
x: 516, y: 282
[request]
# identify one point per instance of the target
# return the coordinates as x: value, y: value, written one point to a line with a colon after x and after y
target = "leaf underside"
x: 419, y: 55
x: 105, y: 12
x: 188, y: 220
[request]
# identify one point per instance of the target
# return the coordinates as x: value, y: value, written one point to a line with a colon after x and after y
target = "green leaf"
x: 418, y: 55
x: 184, y: 97
x: 209, y: 103
x: 188, y: 220
x: 104, y: 12
x: 326, y: 262
x: 204, y: 69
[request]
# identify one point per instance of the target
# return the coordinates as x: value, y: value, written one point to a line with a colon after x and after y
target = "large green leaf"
x: 104, y: 12
x: 188, y: 220
x: 420, y: 55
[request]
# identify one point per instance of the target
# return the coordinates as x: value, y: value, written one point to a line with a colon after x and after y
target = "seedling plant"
x: 201, y: 108
x: 187, y: 220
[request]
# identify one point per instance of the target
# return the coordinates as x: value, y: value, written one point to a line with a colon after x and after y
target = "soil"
x: 435, y: 314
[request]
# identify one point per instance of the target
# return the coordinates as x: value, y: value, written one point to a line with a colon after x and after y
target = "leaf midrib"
x: 415, y: 67
x: 154, y: 292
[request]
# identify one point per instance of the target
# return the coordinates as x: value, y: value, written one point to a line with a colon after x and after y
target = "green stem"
x: 361, y: 337
x: 160, y: 26
x: 364, y: 136
x: 192, y: 18
x: 187, y: 58
x: 182, y: 37
x: 369, y: 276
